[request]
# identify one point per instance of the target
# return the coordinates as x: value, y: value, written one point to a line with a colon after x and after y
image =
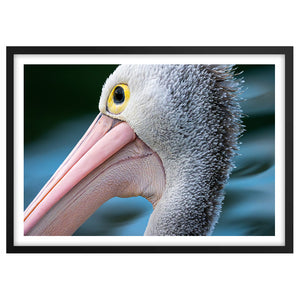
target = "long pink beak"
x: 102, y: 140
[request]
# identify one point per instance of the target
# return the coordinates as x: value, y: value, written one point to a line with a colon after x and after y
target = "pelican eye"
x: 119, y: 95
x: 118, y: 99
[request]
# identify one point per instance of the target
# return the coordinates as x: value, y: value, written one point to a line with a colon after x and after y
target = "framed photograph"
x: 150, y: 149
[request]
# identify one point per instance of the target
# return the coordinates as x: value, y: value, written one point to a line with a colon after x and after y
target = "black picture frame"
x: 288, y: 63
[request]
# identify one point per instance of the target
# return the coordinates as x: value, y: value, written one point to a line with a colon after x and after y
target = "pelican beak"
x: 49, y: 213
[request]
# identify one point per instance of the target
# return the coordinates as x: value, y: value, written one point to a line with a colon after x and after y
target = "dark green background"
x: 55, y: 93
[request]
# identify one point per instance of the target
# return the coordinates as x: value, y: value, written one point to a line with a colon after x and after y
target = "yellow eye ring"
x: 118, y: 99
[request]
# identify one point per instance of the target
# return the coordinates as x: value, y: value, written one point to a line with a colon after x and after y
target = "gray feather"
x: 191, y: 116
x: 204, y: 122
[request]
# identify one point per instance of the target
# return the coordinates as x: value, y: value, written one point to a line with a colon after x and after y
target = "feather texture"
x: 190, y: 115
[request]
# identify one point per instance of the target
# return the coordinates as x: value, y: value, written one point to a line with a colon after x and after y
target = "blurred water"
x: 249, y: 205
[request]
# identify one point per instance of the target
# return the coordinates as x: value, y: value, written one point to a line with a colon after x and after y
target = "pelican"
x: 165, y: 132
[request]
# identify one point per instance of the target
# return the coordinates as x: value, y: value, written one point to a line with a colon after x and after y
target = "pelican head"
x: 165, y: 132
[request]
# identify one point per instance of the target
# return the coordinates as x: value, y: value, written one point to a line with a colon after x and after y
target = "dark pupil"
x: 119, y: 95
